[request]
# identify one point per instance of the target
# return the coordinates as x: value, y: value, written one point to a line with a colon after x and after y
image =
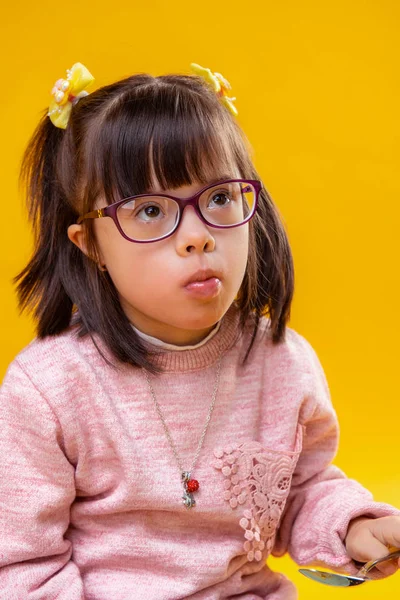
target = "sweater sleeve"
x: 36, y: 491
x: 322, y: 500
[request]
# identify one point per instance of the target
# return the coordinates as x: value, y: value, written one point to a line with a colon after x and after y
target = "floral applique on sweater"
x: 259, y: 479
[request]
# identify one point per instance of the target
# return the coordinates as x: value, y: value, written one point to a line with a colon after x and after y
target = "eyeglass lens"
x: 152, y: 217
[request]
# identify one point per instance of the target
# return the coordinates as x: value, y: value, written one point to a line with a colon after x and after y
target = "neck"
x: 164, y: 332
x: 178, y: 339
x: 177, y: 347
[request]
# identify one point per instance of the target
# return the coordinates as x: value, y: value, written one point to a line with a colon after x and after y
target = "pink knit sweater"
x: 90, y: 493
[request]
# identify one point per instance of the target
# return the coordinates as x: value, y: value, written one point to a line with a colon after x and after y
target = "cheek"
x: 129, y: 263
x: 118, y: 254
x: 236, y: 249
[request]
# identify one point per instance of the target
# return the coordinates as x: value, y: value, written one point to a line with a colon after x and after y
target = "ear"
x: 77, y: 237
x: 76, y: 234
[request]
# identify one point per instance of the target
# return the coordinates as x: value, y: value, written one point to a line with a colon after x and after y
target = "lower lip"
x: 204, y: 289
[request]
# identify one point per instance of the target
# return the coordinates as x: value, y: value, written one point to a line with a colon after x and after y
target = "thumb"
x: 386, y: 530
x: 373, y: 539
x: 378, y: 550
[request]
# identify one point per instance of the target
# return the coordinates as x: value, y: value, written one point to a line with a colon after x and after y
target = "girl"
x: 166, y: 431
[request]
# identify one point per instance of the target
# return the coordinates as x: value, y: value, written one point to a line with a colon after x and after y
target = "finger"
x: 366, y: 547
x: 374, y: 550
x: 386, y: 530
x: 388, y: 568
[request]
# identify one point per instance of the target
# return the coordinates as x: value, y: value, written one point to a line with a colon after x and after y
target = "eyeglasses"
x: 151, y: 217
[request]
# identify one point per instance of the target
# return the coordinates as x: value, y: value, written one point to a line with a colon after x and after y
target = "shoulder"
x: 293, y: 359
x: 294, y: 349
x: 47, y: 361
x: 50, y: 348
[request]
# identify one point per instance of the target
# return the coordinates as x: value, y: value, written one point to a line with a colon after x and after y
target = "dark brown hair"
x: 117, y: 138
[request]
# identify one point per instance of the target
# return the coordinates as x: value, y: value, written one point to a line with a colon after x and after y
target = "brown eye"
x: 220, y: 199
x: 151, y: 212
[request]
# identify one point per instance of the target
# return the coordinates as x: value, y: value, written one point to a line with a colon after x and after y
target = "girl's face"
x: 151, y: 279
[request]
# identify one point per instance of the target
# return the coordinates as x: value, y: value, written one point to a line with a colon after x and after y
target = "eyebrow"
x: 222, y: 177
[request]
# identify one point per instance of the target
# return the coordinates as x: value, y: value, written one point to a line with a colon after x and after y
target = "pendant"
x: 189, y: 485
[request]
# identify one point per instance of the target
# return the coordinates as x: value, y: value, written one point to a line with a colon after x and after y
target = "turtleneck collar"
x: 166, y: 346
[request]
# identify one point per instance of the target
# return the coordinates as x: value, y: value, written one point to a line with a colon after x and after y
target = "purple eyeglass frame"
x: 111, y: 209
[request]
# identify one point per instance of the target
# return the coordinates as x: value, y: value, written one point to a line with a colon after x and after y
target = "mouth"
x: 201, y: 276
x: 204, y: 284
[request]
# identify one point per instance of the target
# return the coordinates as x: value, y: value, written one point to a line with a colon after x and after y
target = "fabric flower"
x: 67, y: 92
x: 219, y: 84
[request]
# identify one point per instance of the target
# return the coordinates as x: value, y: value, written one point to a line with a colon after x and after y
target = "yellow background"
x: 317, y: 87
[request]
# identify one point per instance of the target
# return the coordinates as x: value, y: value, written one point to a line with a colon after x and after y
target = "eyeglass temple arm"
x: 95, y: 214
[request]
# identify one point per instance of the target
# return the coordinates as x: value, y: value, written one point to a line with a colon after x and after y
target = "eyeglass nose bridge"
x: 193, y: 201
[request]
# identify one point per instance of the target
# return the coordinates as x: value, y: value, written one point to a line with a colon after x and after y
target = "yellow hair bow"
x: 67, y: 92
x: 219, y: 84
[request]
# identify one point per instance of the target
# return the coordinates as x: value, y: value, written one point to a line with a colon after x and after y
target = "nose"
x: 193, y: 235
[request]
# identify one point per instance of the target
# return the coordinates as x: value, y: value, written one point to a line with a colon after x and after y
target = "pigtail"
x: 39, y: 284
x: 275, y: 280
x: 268, y: 285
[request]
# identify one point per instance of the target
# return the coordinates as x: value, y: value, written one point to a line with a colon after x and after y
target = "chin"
x: 203, y: 317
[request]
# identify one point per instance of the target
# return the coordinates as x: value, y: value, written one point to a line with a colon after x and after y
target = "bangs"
x: 163, y: 133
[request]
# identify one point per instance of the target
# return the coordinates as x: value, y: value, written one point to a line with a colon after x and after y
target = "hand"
x: 369, y: 539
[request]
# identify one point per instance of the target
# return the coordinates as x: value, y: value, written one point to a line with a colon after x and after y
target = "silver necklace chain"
x: 185, y: 475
